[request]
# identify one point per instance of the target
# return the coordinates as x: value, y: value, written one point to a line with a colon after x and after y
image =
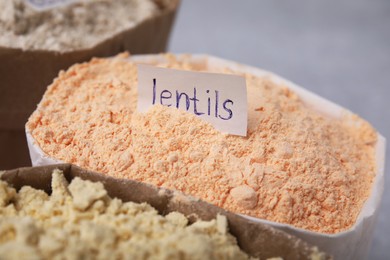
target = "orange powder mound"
x: 295, y: 166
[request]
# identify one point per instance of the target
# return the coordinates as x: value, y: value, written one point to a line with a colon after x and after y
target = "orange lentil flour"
x: 295, y: 166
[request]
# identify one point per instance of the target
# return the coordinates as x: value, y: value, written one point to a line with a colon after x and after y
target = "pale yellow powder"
x: 79, y: 221
x: 295, y: 166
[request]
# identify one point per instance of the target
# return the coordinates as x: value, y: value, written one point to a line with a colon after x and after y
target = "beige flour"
x: 295, y: 166
x: 80, y: 221
x: 78, y: 25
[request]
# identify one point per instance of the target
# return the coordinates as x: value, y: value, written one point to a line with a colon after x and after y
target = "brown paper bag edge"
x: 149, y: 36
x: 256, y: 239
x: 167, y: 11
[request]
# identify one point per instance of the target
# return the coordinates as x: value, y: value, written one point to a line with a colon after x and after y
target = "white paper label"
x: 219, y: 99
x: 41, y: 5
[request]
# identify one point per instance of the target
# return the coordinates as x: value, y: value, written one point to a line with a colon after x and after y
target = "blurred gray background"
x: 339, y: 49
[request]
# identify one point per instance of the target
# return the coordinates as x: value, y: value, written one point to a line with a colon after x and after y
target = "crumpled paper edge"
x: 38, y: 157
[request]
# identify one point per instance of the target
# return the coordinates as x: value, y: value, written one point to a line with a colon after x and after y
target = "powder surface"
x: 80, y: 221
x: 295, y: 166
x: 78, y: 25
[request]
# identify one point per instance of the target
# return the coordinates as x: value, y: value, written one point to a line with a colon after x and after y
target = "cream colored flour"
x: 79, y: 25
x: 295, y: 166
x: 80, y: 221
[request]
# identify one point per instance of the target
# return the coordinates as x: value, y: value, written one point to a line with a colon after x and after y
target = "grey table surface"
x: 339, y: 49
